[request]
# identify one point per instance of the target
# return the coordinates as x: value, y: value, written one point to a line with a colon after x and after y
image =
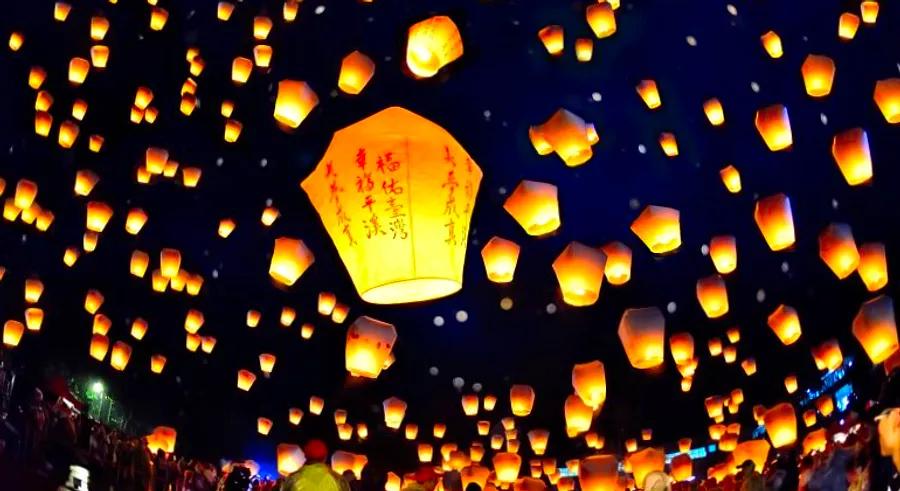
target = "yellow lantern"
x: 776, y: 222
x: 326, y: 303
x: 713, y: 296
x: 289, y: 12
x: 290, y: 259
x: 68, y: 133
x: 815, y: 441
x: 99, y: 56
x: 567, y: 135
x: 553, y: 39
x: 584, y: 49
x: 120, y: 355
x: 774, y: 126
x: 233, y: 130
x: 781, y: 425
x: 432, y: 44
x: 489, y: 402
x: 99, y: 346
x: 316, y: 405
x: 714, y: 111
x: 394, y: 411
x: 785, y: 322
x: 288, y: 315
x: 163, y: 438
x: 500, y: 257
x: 483, y: 427
x: 224, y: 11
x: 818, y: 75
x: 135, y: 221
x: 682, y: 467
x: 470, y: 404
x: 16, y: 39
x: 140, y: 260
x: 34, y: 317
x: 289, y: 458
x: 682, y: 347
x: 723, y: 251
x: 658, y: 228
x: 240, y: 70
x: 756, y: 451
x: 875, y: 328
x: 157, y: 363
x: 521, y: 399
x: 262, y: 55
x: 193, y: 321
x: 828, y: 355
x: 749, y: 366
x: 730, y: 353
x: 579, y: 270
x: 589, y: 382
x: 869, y: 11
x: 646, y: 461
x: 506, y: 466
x: 33, y: 290
x: 12, y: 333
x: 597, y: 473
x: 267, y: 363
x: 771, y: 41
x: 887, y: 98
x: 79, y: 109
x: 70, y: 256
x: 78, y: 70
x: 307, y: 330
x: 294, y: 102
x: 339, y: 314
x: 85, y: 181
x: 158, y: 18
x: 848, y: 24
x: 668, y: 144
x: 369, y: 344
x: 391, y: 156
x: 872, y: 267
x: 838, y: 249
x: 438, y: 430
x: 92, y: 301
x: 535, y: 207
x: 170, y: 262
x: 139, y: 328
x: 98, y: 215
x: 579, y: 416
x: 618, y: 263
x: 809, y: 417
x: 790, y: 384
x: 263, y: 426
x: 851, y: 153
x: 43, y: 121
x: 245, y: 379
x: 642, y: 332
x: 649, y: 93
x: 602, y: 19
x: 356, y: 71
x: 295, y: 415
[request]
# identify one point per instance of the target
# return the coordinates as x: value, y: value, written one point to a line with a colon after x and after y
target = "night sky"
x: 504, y: 83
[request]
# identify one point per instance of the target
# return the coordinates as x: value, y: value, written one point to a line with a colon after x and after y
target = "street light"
x: 98, y: 388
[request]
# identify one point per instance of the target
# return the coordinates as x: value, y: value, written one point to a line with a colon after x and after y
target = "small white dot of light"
x: 704, y: 249
x: 487, y: 114
x: 760, y: 295
x: 754, y: 87
x: 370, y: 19
x: 596, y: 97
x: 823, y: 118
x: 462, y: 316
x: 24, y: 238
x: 732, y: 9
x: 691, y: 40
x: 263, y: 162
x: 388, y: 58
x: 433, y: 371
x: 642, y: 148
x: 320, y: 9
x: 502, y: 190
x: 333, y: 93
x: 220, y: 161
x: 633, y: 203
x: 268, y: 201
x: 551, y: 308
x: 834, y: 203
x: 785, y: 267
x: 458, y: 383
x: 671, y: 307
x: 506, y: 303
x: 438, y: 321
x: 476, y: 387
x: 215, y: 274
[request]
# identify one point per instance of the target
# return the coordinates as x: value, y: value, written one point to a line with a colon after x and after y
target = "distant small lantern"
x: 715, y: 114
x: 584, y: 49
x: 121, y: 354
x: 356, y: 71
x: 565, y: 134
x: 723, y: 252
x: 369, y: 344
x: 500, y: 257
x: 785, y: 322
x: 669, y: 144
x: 771, y: 41
x: 579, y: 270
x: 887, y: 98
x: 432, y: 44
x: 872, y: 267
x: 618, y: 263
x: 521, y: 399
x: 642, y: 332
x: 578, y: 415
x: 850, y: 150
x: 157, y: 363
x: 589, y: 382
x: 553, y: 39
x: 316, y: 405
x: 290, y: 259
x: 827, y: 355
x: 681, y: 346
x: 781, y: 425
x: 535, y: 206
x: 713, y: 296
x: 659, y: 228
x: 245, y: 379
x: 774, y: 126
x: 775, y: 220
x: 837, y: 248
x: 601, y: 19
x: 818, y: 75
x: 394, y: 412
x: 12, y: 333
x: 848, y: 24
x: 293, y: 103
x: 869, y: 11
x: 649, y: 93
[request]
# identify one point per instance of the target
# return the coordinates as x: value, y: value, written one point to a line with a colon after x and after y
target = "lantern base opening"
x: 408, y: 291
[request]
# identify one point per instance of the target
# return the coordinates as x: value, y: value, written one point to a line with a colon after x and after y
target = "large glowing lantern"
x: 682, y: 467
x: 356, y: 71
x: 163, y: 438
x: 567, y: 135
x: 500, y: 257
x: 432, y: 44
x: 369, y: 344
x: 753, y: 450
x: 850, y: 150
x: 579, y: 270
x: 774, y: 126
x: 394, y: 412
x: 848, y: 24
x: 838, y: 249
x: 589, y: 382
x: 642, y: 332
x: 659, y: 228
x: 521, y: 399
x: 873, y: 266
x: 290, y: 259
x: 818, y: 75
x: 785, y: 322
x: 646, y: 461
x: 723, y: 252
x: 887, y: 98
x: 781, y: 425
x: 775, y: 220
x: 875, y: 327
x: 294, y: 102
x: 713, y: 296
x: 815, y: 441
x: 506, y: 466
x: 289, y: 458
x: 579, y: 415
x: 397, y: 185
x: 12, y: 333
x: 602, y: 19
x: 553, y: 39
x: 598, y: 473
x: 534, y: 205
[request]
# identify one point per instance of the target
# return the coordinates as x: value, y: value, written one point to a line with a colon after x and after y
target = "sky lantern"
x: 43, y: 121
x: 78, y: 70
x: 164, y: 439
x: 70, y: 256
x: 34, y: 317
x: 875, y: 327
x: 85, y: 181
x: 79, y: 109
x: 489, y: 402
x: 579, y: 270
x: 869, y: 11
x: 521, y: 399
x: 192, y: 343
x: 369, y: 344
x: 584, y: 49
x: 825, y: 405
x: 776, y: 222
x: 553, y: 39
x: 682, y: 467
x: 289, y: 458
x: 224, y: 11
x: 411, y: 431
x: 749, y: 366
x: 659, y: 228
x: 411, y: 171
x: 470, y: 404
x: 872, y: 267
x: 500, y: 257
x: 169, y: 262
x: 684, y: 445
x: 135, y: 221
x: 730, y: 353
x: 193, y: 321
x: 245, y: 379
x: 714, y: 111
x: 120, y: 355
x: 101, y: 324
x: 139, y: 328
x: 68, y: 133
x: 534, y: 205
x: 158, y: 18
x: 226, y: 226
x: 326, y: 303
x: 771, y: 41
x: 290, y: 259
x: 781, y: 425
x: 713, y: 406
x: 785, y: 322
x: 98, y: 215
x: 316, y: 405
x: 506, y: 466
x: 157, y: 363
x: 438, y: 430
x: 579, y: 416
x: 646, y: 461
x: 99, y: 346
x: 16, y: 39
x: 598, y: 473
x: 642, y: 332
x: 681, y: 345
x: 827, y: 355
x: 263, y: 426
x: 99, y: 27
x: 356, y: 71
x: 618, y: 263
x: 295, y: 414
x: 668, y: 144
x: 815, y: 441
x: 567, y: 135
x: 887, y: 98
x: 33, y: 290
x: 848, y: 24
x: 12, y: 333
x: 262, y: 26
x: 140, y: 260
x: 26, y: 192
x: 432, y: 44
x: 602, y: 19
x: 99, y: 56
x: 818, y: 75
x: 233, y: 130
x: 713, y: 296
x: 339, y: 313
x: 838, y: 249
x: 240, y: 70
x: 809, y: 417
x: 756, y: 451
x: 774, y: 126
x: 649, y: 93
x: 394, y: 412
x: 36, y: 77
x: 589, y: 382
x: 851, y: 153
x: 294, y: 102
x: 266, y: 363
x: 723, y: 252
x: 262, y: 55
x: 93, y: 299
x: 538, y: 439
x: 287, y: 317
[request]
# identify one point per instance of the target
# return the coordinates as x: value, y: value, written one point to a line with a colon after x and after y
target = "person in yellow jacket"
x: 315, y: 475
